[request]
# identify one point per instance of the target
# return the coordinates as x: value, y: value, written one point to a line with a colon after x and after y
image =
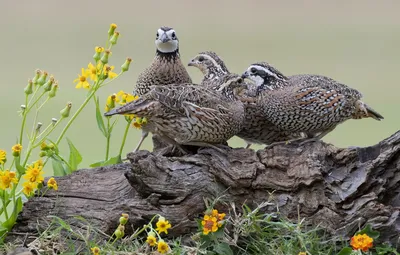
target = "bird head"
x: 209, y: 63
x: 264, y: 75
x: 166, y: 40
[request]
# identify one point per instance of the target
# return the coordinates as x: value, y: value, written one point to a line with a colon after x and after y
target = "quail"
x: 189, y: 114
x: 166, y: 68
x: 313, y: 104
x: 256, y: 128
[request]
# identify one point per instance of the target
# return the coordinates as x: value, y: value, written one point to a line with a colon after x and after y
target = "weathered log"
x: 339, y: 189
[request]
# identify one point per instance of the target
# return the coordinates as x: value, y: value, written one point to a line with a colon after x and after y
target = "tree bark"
x: 340, y: 189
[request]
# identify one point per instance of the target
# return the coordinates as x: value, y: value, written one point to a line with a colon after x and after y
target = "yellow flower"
x: 28, y: 188
x: 108, y: 72
x: 110, y: 103
x: 162, y: 225
x: 82, y: 80
x: 52, y: 183
x: 123, y: 97
x: 3, y: 157
x: 16, y: 149
x: 7, y: 178
x: 99, y: 49
x: 361, y: 242
x: 209, y: 224
x: 93, y: 71
x: 95, y: 250
x: 162, y: 247
x: 302, y: 253
x: 151, y: 239
x: 34, y: 172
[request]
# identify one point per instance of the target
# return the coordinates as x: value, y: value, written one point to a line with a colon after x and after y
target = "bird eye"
x: 240, y: 81
x: 253, y: 70
x: 157, y: 35
x: 173, y: 35
x: 201, y: 58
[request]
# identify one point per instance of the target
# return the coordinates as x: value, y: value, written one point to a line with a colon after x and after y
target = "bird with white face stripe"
x: 313, y: 104
x: 166, y: 68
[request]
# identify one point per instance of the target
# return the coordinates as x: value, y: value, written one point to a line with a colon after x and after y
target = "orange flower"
x: 361, y: 242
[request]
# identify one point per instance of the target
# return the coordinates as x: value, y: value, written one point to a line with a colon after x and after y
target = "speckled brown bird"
x: 166, y: 68
x: 313, y: 104
x: 256, y: 129
x: 189, y: 114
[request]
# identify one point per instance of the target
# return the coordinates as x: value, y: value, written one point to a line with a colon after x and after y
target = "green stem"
x: 111, y: 80
x: 4, y: 204
x: 124, y: 138
x: 108, y: 138
x: 48, y: 133
x: 74, y: 116
x: 34, y: 94
x: 37, y: 112
x: 24, y: 114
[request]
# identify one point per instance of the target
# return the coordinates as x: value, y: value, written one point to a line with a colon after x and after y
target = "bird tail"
x: 364, y: 111
x: 141, y: 107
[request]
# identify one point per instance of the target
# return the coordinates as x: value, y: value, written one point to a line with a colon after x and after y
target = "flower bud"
x: 38, y: 126
x: 124, y: 219
x: 125, y: 66
x: 104, y: 58
x: 37, y: 75
x: 42, y: 154
x: 144, y: 120
x: 112, y: 29
x: 97, y: 55
x: 44, y: 146
x: 120, y: 231
x: 114, y: 38
x: 28, y: 89
x: 110, y: 104
x: 48, y: 85
x: 54, y: 121
x: 65, y: 112
x: 42, y: 79
x: 53, y: 90
x: 23, y: 107
x: 51, y: 146
x: 16, y: 150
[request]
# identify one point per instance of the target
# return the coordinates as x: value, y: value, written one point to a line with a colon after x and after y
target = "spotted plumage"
x: 256, y: 128
x: 188, y: 114
x: 166, y: 68
x: 313, y: 104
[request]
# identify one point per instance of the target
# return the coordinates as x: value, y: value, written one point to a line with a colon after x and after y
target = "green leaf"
x: 346, y: 251
x: 112, y: 161
x: 223, y: 248
x: 99, y: 117
x: 58, y: 168
x: 369, y: 231
x: 75, y: 158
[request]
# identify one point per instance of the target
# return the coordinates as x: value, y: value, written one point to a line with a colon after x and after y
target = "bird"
x: 211, y: 65
x: 166, y: 68
x: 189, y: 114
x: 313, y: 104
x: 256, y: 129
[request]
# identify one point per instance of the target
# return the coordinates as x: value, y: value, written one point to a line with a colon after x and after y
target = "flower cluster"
x: 361, y: 242
x: 33, y: 177
x: 162, y: 225
x: 120, y: 231
x: 212, y: 221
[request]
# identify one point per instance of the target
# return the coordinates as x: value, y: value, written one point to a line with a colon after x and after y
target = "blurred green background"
x: 355, y: 42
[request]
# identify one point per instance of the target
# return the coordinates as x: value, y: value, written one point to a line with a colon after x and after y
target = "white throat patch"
x: 167, y: 47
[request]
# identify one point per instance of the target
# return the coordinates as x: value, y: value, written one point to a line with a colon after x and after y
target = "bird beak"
x: 164, y: 38
x: 191, y: 63
x: 245, y: 75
